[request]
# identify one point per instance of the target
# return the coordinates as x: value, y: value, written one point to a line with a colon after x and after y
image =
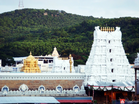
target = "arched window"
x: 5, y: 90
x: 41, y: 89
x: 59, y: 89
x: 76, y: 88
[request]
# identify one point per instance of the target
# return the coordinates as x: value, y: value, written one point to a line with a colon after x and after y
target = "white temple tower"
x: 136, y: 62
x: 107, y: 61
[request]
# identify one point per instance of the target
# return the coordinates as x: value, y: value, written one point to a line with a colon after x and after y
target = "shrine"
x: 30, y: 65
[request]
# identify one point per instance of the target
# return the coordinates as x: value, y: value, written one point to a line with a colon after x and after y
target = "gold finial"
x: 113, y: 28
x: 70, y: 61
x: 109, y: 29
x: 105, y: 29
x: 30, y: 53
x: 101, y: 28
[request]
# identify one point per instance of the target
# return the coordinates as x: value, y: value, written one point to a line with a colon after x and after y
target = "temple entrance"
x: 119, y: 96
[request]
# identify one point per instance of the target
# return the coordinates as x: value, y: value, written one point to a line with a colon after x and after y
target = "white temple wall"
x: 107, y: 57
x: 62, y: 65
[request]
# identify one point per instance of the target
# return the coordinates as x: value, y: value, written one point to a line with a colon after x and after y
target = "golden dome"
x: 30, y: 57
x: 30, y: 65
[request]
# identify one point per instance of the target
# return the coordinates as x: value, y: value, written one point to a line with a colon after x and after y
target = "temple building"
x: 106, y: 76
x: 107, y: 61
x: 30, y: 65
x: 107, y: 67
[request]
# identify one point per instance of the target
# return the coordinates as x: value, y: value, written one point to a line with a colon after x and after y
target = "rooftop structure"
x: 55, y: 53
x: 30, y: 65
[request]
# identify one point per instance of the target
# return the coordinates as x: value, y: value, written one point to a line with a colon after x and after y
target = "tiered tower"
x: 30, y: 65
x: 107, y: 61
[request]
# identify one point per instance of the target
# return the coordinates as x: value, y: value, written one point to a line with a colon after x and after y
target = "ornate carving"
x: 109, y: 29
x: 59, y: 89
x: 5, y: 90
x: 23, y: 88
x: 76, y: 88
x: 41, y: 89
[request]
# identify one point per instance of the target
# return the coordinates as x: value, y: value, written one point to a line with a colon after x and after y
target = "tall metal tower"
x: 20, y: 6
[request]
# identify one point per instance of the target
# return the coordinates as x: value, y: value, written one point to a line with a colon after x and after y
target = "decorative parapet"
x: 109, y: 29
x: 41, y: 76
x: 59, y: 91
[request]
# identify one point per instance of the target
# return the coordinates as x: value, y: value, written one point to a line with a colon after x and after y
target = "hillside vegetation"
x: 39, y: 31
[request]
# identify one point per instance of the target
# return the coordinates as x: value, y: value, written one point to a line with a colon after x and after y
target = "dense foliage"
x: 39, y: 31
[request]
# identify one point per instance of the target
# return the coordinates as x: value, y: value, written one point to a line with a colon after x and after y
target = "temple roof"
x: 55, y: 52
x: 30, y: 57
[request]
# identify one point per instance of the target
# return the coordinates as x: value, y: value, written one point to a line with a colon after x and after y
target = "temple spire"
x: 30, y: 53
x: 55, y: 52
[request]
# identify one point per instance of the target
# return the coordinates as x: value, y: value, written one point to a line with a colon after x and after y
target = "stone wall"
x: 34, y: 84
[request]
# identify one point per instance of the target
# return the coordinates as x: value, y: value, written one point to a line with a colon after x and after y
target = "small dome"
x: 30, y: 57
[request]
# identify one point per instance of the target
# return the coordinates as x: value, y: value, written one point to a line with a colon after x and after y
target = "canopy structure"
x: 124, y: 86
x: 27, y: 100
x: 74, y: 99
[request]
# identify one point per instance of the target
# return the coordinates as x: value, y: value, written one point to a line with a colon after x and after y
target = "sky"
x: 95, y: 8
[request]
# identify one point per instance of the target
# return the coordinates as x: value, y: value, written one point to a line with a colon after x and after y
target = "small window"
x: 50, y: 61
x: 109, y: 41
x: 110, y: 50
x: 45, y: 61
x: 113, y: 80
x: 111, y: 60
x: 112, y: 70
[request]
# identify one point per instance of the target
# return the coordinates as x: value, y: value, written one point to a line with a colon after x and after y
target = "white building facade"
x: 107, y: 61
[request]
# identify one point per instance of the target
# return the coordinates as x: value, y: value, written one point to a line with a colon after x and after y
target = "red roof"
x: 75, y: 101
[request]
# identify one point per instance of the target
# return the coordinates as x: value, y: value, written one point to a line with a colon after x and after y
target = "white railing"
x: 43, y: 93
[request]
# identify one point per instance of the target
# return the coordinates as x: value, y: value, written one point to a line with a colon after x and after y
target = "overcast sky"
x: 95, y: 8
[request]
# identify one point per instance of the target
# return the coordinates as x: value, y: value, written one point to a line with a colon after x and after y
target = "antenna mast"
x: 20, y: 6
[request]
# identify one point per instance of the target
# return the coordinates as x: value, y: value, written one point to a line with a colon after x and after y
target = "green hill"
x: 18, y: 23
x: 39, y: 31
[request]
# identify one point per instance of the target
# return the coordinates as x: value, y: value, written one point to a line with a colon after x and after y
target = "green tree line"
x: 22, y: 31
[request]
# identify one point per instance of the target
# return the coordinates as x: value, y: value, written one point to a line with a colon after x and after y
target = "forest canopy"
x: 39, y: 31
